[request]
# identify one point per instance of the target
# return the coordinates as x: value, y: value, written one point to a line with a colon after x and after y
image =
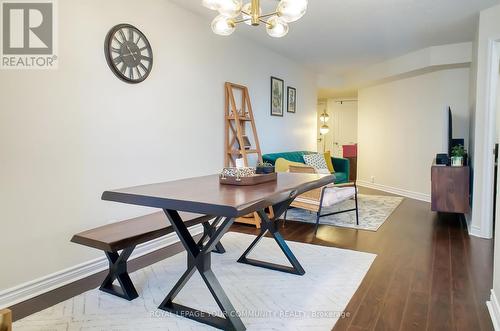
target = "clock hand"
x: 131, y: 52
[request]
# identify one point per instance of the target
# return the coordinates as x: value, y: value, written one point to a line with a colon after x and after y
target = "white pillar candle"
x: 240, y: 163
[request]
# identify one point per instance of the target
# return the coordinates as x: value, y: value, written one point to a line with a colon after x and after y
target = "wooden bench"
x: 124, y: 236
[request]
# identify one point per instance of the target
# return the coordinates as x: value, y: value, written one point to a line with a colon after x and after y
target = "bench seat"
x: 125, y: 235
x: 120, y: 235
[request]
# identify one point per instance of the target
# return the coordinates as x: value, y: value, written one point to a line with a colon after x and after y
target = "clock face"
x: 128, y: 53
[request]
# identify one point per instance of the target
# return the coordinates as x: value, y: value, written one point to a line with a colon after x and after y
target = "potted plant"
x: 264, y: 168
x: 457, y: 156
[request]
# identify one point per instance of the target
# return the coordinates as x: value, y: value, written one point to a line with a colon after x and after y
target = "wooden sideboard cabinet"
x: 450, y: 189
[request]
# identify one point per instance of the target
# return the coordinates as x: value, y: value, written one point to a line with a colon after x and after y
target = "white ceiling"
x: 337, y: 36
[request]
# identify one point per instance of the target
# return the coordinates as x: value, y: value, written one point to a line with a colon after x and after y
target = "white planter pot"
x: 457, y: 161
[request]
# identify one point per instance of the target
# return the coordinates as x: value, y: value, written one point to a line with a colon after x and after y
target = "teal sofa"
x: 340, y: 165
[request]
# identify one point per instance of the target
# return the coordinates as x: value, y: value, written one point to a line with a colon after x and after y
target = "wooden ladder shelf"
x: 5, y: 320
x: 237, y: 115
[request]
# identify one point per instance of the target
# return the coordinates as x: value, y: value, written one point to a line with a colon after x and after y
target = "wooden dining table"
x: 205, y: 195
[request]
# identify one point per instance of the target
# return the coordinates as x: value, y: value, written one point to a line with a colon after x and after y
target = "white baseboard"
x: 494, y: 309
x: 395, y: 190
x: 476, y: 231
x: 468, y: 222
x: 58, y: 279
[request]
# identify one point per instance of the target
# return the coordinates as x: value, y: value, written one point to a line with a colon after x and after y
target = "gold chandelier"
x: 232, y: 12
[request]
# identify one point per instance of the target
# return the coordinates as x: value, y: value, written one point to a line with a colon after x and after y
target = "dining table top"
x: 205, y: 195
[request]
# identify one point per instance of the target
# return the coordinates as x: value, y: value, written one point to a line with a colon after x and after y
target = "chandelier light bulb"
x: 212, y: 4
x: 230, y: 8
x: 324, y: 129
x: 324, y: 117
x: 291, y: 10
x: 247, y: 8
x: 276, y: 27
x: 223, y: 25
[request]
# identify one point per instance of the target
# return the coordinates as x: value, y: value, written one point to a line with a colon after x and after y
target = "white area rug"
x: 373, y: 212
x: 283, y: 301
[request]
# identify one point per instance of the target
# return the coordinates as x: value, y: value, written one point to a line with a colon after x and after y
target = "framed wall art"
x: 277, y: 96
x: 291, y: 96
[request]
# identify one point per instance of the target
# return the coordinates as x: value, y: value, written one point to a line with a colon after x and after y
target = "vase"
x: 457, y: 161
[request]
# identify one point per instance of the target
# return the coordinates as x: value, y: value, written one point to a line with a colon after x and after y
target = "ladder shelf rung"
x: 240, y: 151
x: 241, y: 118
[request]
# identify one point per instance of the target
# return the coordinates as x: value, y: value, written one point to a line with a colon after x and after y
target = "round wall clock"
x: 128, y: 53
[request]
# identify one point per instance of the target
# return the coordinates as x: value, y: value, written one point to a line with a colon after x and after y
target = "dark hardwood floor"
x: 428, y: 274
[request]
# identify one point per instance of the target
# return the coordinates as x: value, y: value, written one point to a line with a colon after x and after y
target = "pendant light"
x: 233, y: 12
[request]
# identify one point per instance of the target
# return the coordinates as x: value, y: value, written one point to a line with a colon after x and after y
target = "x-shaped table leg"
x: 271, y: 227
x: 199, y: 258
x: 118, y: 271
x: 208, y: 231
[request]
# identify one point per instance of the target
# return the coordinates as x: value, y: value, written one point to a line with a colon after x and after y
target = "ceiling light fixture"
x: 233, y: 12
x: 324, y: 129
x: 324, y: 117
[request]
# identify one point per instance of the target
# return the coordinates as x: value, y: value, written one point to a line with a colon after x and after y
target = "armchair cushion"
x: 282, y: 165
x: 331, y: 196
x: 316, y: 160
x: 329, y: 162
x: 334, y: 195
x: 341, y: 177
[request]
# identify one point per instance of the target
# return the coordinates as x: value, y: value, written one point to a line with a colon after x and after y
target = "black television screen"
x: 450, y: 132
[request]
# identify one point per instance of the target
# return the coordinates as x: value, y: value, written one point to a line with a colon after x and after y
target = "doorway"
x: 342, y: 125
x: 322, y: 138
x: 338, y: 130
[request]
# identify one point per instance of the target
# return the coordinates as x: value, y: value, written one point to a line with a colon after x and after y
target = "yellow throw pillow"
x: 329, y: 163
x: 282, y: 165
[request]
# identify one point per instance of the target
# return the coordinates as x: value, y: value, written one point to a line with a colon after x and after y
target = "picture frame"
x: 291, y: 97
x: 277, y: 96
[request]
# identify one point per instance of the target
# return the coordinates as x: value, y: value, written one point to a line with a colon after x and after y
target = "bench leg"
x: 208, y: 232
x: 118, y: 271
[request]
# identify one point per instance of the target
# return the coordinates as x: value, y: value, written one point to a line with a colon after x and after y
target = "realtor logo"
x: 28, y: 35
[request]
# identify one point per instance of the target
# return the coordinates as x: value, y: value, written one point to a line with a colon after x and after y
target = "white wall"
x: 487, y: 97
x: 498, y: 106
x: 411, y: 64
x: 401, y: 127
x: 493, y: 304
x: 69, y: 134
x: 496, y: 280
x: 472, y: 101
x: 483, y: 121
x: 420, y: 61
